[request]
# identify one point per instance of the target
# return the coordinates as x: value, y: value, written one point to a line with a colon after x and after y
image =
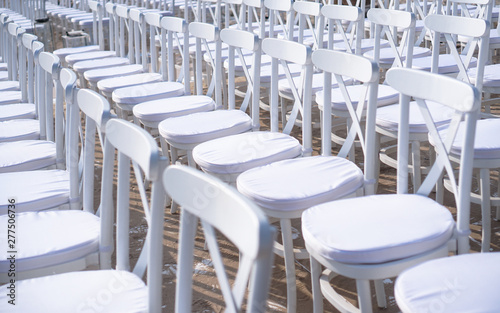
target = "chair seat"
x: 247, y: 56
x: 204, y: 126
x: 367, y: 44
x: 4, y: 76
x: 491, y: 76
x: 43, y: 245
x: 386, y: 95
x: 158, y: 110
x: 35, y: 190
x: 27, y: 155
x: 300, y: 183
x: 10, y: 97
x: 84, y: 66
x: 447, y: 63
x: 388, y: 117
x: 17, y: 111
x: 486, y: 143
x: 9, y: 85
x: 63, y: 52
x: 92, y: 55
x: 317, y: 84
x: 110, y: 291
x: 147, y: 92
x: 494, y: 37
x: 238, y: 153
x: 14, y: 130
x: 110, y: 84
x: 266, y: 69
x: 3, y: 66
x: 451, y: 284
x: 387, y: 54
x: 376, y: 229
x: 96, y: 75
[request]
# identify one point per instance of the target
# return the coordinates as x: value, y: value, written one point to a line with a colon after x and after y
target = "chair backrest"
x: 343, y: 66
x: 240, y: 41
x: 311, y: 22
x: 137, y: 31
x: 284, y: 52
x: 465, y: 100
x: 275, y: 10
x: 97, y: 24
x: 28, y: 88
x: 451, y: 26
x: 133, y: 145
x: 13, y: 59
x: 220, y: 207
x: 350, y: 35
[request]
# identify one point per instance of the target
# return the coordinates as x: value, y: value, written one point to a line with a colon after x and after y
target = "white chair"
x: 450, y: 285
x: 286, y: 188
x: 378, y: 236
x: 239, y: 220
x: 112, y: 290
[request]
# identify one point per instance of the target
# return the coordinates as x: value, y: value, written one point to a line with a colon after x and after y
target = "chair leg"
x: 380, y: 292
x: 286, y: 233
x: 415, y: 153
x: 316, y: 288
x: 485, y: 209
x: 364, y: 296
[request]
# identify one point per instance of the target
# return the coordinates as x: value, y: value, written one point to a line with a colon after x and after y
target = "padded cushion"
x: 147, y: 92
x: 14, y: 130
x: 10, y: 97
x: 117, y: 71
x: 26, y: 155
x: 386, y: 95
x: 388, y: 116
x: 110, y: 84
x: 300, y: 183
x: 376, y: 229
x: 486, y: 142
x: 491, y: 75
x: 92, y: 55
x: 43, y: 245
x: 247, y: 56
x: 4, y: 76
x: 62, y: 53
x: 110, y: 291
x: 204, y: 126
x: 317, y: 84
x: 265, y: 72
x: 158, y: 110
x: 387, y: 54
x: 464, y: 283
x: 3, y: 66
x: 447, y: 63
x: 17, y: 111
x: 238, y: 153
x: 84, y: 66
x: 34, y: 190
x: 9, y: 85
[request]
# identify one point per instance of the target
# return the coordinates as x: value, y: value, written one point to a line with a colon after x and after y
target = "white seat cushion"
x: 17, y: 111
x: 447, y: 63
x: 34, y: 190
x: 387, y: 54
x: 486, y: 142
x: 62, y: 53
x: 388, y: 117
x: 14, y: 130
x: 92, y: 55
x: 386, y: 95
x: 158, y: 110
x: 43, y: 245
x: 9, y: 85
x: 238, y: 153
x: 3, y: 66
x: 464, y: 283
x: 266, y: 69
x: 247, y: 56
x: 108, y: 291
x: 204, y: 126
x: 491, y: 76
x: 10, y: 97
x: 376, y: 229
x: 4, y: 76
x: 300, y: 183
x: 317, y: 84
x: 147, y: 92
x: 96, y: 75
x: 84, y: 66
x: 26, y: 155
x: 110, y: 84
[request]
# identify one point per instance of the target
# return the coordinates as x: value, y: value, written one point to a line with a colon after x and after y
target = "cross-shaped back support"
x: 481, y: 9
x: 13, y: 57
x: 28, y: 88
x: 220, y: 207
x: 305, y: 11
x: 133, y: 145
x: 237, y: 40
x: 283, y: 52
x: 342, y: 66
x: 465, y: 100
x: 352, y: 34
x: 255, y: 17
x: 274, y: 9
x: 97, y: 24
